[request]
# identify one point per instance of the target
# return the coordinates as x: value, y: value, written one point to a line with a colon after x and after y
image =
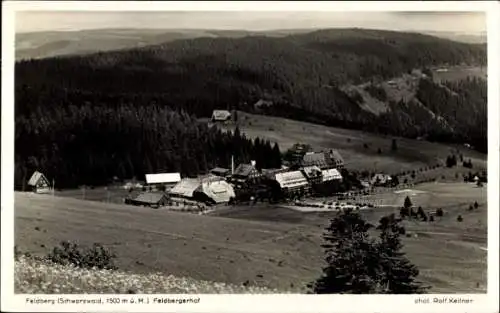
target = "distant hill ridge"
x: 44, y: 44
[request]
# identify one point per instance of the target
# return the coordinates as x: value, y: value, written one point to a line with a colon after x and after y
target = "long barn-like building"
x: 292, y: 181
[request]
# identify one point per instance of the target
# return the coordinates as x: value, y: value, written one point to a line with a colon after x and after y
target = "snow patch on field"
x: 413, y: 192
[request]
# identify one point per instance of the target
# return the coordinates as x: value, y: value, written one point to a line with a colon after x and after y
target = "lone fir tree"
x: 394, y: 145
x: 407, y: 203
x: 351, y: 256
x: 397, y: 274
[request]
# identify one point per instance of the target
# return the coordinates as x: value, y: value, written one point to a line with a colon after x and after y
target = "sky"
x: 472, y: 22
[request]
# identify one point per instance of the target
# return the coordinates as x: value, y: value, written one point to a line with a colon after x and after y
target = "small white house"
x: 163, y: 179
x: 221, y: 115
x: 381, y: 179
x: 331, y: 174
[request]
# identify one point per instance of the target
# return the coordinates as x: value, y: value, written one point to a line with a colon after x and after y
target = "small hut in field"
x: 38, y: 183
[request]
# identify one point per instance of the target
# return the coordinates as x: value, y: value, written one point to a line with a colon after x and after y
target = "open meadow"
x: 451, y: 255
x: 455, y: 73
x: 261, y: 245
x: 410, y: 155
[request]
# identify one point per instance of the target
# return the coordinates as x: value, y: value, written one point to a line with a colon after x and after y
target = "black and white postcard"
x: 250, y: 157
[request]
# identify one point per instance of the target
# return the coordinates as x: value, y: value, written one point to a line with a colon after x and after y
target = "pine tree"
x: 397, y: 274
x: 394, y: 145
x: 351, y: 256
x: 408, y: 203
x: 276, y: 156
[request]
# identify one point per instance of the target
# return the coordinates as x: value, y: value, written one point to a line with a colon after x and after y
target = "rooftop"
x: 163, y: 178
x: 149, y: 197
x: 244, y: 170
x: 35, y: 178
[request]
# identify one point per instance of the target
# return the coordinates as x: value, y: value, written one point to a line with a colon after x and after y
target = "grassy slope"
x: 281, y: 245
x: 411, y: 154
x: 459, y: 73
x: 201, y: 247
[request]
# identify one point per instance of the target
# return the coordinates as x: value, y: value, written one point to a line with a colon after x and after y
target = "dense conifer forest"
x: 85, y: 119
x: 93, y: 143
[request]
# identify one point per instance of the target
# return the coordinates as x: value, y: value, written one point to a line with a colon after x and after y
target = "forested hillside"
x: 301, y: 74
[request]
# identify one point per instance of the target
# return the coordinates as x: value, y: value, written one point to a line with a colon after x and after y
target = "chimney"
x: 232, y: 165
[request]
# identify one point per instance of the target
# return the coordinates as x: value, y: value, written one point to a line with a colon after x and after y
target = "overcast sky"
x: 423, y: 21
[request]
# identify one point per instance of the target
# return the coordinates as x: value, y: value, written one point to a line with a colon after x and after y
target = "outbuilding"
x: 39, y: 183
x: 221, y: 172
x: 331, y: 174
x: 150, y: 199
x: 221, y: 115
x: 167, y: 180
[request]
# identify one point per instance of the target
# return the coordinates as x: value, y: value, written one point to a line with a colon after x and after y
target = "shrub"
x: 460, y: 218
x: 467, y: 164
x: 70, y: 253
x: 17, y: 252
x: 394, y: 145
x: 451, y: 161
x: 407, y: 203
x: 471, y: 207
x: 476, y: 205
x: 439, y: 212
x: 404, y: 212
x: 431, y: 218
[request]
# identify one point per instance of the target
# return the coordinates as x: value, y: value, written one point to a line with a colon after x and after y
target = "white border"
x: 310, y: 6
x: 248, y: 303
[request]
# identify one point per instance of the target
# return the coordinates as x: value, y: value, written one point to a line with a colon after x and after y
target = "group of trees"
x: 451, y: 161
x: 89, y: 144
x: 481, y: 175
x: 360, y: 264
x: 407, y: 211
x: 467, y: 164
